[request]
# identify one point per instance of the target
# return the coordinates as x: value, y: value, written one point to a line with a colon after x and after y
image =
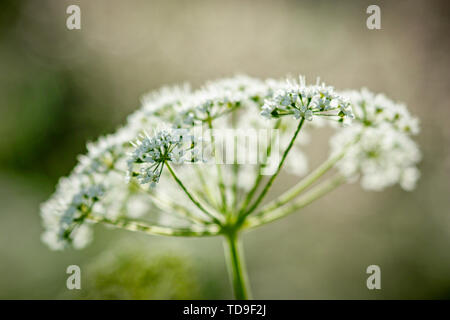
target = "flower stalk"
x: 191, y: 197
x: 266, y: 216
x: 269, y: 183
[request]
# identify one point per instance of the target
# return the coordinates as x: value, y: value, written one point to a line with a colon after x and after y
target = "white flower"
x: 220, y: 97
x: 104, y: 154
x: 373, y: 109
x: 65, y: 212
x: 302, y: 101
x: 409, y: 178
x: 384, y: 153
x: 152, y: 152
x: 382, y: 156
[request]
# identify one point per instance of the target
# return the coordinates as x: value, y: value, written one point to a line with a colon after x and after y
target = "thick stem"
x: 236, y: 266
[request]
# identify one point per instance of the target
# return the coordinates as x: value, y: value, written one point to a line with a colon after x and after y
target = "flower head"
x: 163, y: 104
x: 302, y: 101
x: 220, y: 97
x: 105, y: 154
x: 378, y: 146
x: 64, y: 214
x: 373, y: 109
x: 152, y: 152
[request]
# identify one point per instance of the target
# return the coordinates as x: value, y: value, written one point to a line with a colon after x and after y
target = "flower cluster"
x: 378, y: 146
x: 152, y: 152
x: 104, y: 154
x: 64, y: 213
x: 302, y: 101
x: 221, y: 97
x: 161, y: 105
x: 373, y: 109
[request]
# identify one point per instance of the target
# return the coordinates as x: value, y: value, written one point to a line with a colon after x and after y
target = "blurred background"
x: 60, y: 88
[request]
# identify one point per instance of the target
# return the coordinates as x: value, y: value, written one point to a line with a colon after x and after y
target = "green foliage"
x: 137, y: 275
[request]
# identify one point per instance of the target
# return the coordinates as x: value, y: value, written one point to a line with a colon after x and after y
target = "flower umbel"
x: 302, y: 101
x: 64, y: 214
x: 385, y: 153
x: 151, y: 153
x: 173, y: 191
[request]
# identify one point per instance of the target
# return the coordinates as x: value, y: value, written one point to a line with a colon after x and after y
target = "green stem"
x: 198, y: 204
x: 236, y: 168
x: 165, y: 205
x: 208, y: 196
x: 131, y: 225
x: 303, y: 184
x: 236, y: 266
x: 272, y: 178
x: 219, y: 168
x: 306, y: 181
x: 252, y: 191
x: 259, y: 176
x: 309, y: 197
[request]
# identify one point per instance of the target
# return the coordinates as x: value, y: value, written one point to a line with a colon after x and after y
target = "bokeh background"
x: 60, y: 88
